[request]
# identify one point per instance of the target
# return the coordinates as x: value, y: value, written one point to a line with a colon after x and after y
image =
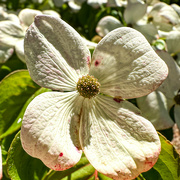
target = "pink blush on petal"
x: 149, y: 163
x: 88, y: 60
x: 78, y: 150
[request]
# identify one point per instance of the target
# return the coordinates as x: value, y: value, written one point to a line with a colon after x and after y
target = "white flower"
x: 164, y: 98
x: 86, y: 110
x: 12, y: 32
x: 117, y: 3
x: 163, y: 16
x: 135, y: 16
x: 5, y: 51
x: 107, y: 24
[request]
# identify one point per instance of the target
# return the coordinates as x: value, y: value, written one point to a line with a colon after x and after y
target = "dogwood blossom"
x: 87, y: 110
x: 6, y: 51
x: 135, y: 15
x: 164, y: 98
x: 12, y: 32
x: 163, y: 16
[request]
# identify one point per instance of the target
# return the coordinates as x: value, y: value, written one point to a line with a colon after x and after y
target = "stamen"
x: 88, y: 86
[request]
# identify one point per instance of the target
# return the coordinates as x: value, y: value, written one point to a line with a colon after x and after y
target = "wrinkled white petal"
x: 126, y: 65
x: 13, y: 17
x: 37, y: 1
x: 173, y: 42
x: 51, y: 12
x: 155, y: 107
x: 55, y: 54
x: 148, y: 30
x: 96, y: 3
x: 116, y: 140
x: 176, y: 8
x: 152, y: 2
x: 164, y: 16
x: 171, y: 85
x: 50, y: 129
x: 19, y: 48
x: 116, y: 3
x: 10, y: 33
x: 163, y: 34
x: 89, y: 44
x: 177, y: 115
x: 3, y: 13
x: 107, y: 24
x: 75, y: 5
x: 134, y: 12
x: 5, y: 53
x: 26, y: 16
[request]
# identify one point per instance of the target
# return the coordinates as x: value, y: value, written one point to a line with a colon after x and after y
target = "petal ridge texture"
x: 116, y: 140
x: 50, y: 129
x: 55, y: 54
x: 130, y: 68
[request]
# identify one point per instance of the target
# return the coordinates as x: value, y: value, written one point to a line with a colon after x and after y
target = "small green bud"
x: 88, y: 86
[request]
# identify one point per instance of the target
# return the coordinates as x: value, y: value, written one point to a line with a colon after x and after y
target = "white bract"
x: 134, y: 11
x: 6, y: 51
x: 75, y: 5
x: 107, y: 24
x: 173, y: 42
x: 163, y: 16
x: 12, y: 32
x: 164, y: 98
x: 135, y: 16
x: 116, y: 3
x: 59, y: 125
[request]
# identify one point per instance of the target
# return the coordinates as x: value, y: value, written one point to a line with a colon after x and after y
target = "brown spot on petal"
x: 118, y: 99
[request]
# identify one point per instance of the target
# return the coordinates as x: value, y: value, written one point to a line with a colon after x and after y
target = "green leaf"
x: 168, y: 164
x: 18, y: 121
x: 14, y: 63
x: 81, y: 171
x: 21, y: 166
x: 103, y: 177
x: 16, y: 89
x: 5, y: 144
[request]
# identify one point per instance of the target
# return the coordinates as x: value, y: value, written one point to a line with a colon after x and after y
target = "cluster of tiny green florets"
x: 88, y: 86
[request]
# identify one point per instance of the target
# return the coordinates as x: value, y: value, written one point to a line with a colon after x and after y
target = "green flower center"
x: 88, y: 86
x: 177, y: 98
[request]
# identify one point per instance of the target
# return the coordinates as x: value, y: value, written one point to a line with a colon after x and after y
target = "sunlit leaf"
x: 16, y: 88
x: 168, y: 164
x: 12, y: 64
x: 21, y: 166
x: 82, y: 170
x: 18, y: 121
